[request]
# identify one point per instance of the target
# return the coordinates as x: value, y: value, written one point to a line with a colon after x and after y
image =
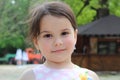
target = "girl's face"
x: 57, y: 38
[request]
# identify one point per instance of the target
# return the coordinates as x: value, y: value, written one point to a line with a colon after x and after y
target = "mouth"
x: 58, y: 51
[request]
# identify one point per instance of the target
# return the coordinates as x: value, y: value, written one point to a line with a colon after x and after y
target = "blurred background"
x: 102, y: 57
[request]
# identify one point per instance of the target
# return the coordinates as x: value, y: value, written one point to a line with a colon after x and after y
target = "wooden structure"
x: 98, y: 45
x: 98, y: 62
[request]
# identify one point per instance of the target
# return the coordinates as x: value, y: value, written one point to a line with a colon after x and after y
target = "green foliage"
x: 12, y: 19
x: 114, y: 7
x: 86, y: 16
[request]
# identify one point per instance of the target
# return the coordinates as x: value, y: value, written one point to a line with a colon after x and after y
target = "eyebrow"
x: 49, y: 31
x: 65, y: 29
x: 44, y: 32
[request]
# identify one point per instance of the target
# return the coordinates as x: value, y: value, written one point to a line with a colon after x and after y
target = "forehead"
x: 56, y: 22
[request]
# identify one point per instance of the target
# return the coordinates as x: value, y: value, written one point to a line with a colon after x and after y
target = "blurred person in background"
x: 24, y: 57
x: 18, y: 56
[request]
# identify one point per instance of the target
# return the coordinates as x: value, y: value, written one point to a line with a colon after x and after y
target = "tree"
x: 12, y: 28
x: 87, y: 10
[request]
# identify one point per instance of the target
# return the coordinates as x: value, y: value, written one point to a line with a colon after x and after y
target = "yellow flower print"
x: 83, y: 76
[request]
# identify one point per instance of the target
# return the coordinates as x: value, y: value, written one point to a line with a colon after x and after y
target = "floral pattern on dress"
x: 85, y: 76
x: 44, y: 73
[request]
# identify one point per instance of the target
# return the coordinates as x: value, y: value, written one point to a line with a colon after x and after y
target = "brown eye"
x: 65, y: 33
x: 47, y: 36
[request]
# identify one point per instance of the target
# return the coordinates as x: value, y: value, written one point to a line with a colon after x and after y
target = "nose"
x: 58, y: 42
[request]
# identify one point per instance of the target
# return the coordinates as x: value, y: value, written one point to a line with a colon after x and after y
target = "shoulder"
x: 28, y: 75
x: 92, y: 74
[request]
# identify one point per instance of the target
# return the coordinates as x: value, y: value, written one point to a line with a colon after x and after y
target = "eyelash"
x: 47, y: 36
x: 50, y: 35
x: 65, y: 33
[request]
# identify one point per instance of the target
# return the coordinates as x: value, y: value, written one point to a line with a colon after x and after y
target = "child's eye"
x: 47, y: 36
x: 65, y: 33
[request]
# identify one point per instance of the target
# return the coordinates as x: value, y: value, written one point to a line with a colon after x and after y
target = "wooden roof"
x: 109, y: 25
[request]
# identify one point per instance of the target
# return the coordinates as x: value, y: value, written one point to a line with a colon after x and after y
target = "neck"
x: 59, y: 65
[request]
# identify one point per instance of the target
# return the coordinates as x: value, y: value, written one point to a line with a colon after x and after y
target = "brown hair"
x: 58, y: 9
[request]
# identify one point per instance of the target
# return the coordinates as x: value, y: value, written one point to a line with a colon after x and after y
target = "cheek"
x: 44, y: 46
x: 70, y: 42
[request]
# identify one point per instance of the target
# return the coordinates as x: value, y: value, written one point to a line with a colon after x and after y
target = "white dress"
x: 43, y: 72
x: 18, y: 54
x: 25, y: 56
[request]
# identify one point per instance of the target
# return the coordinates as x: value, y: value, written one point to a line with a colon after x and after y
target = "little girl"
x: 53, y: 32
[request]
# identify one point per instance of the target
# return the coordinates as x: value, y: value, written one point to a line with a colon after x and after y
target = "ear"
x: 35, y: 42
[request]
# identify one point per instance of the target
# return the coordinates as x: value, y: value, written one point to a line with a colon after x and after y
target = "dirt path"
x: 12, y: 72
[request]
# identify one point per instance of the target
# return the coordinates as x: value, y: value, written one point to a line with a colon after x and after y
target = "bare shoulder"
x: 27, y: 75
x: 93, y: 74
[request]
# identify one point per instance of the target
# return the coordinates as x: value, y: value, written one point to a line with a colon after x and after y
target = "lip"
x: 58, y: 51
